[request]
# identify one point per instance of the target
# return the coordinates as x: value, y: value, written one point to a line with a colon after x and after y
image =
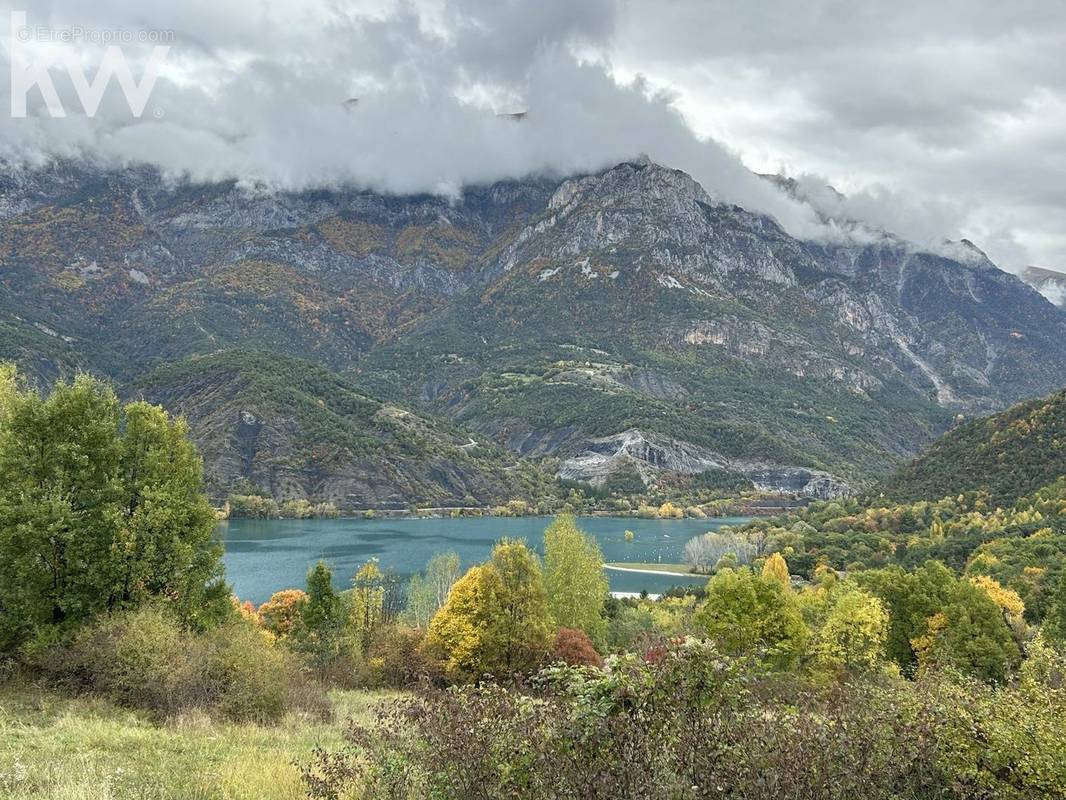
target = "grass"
x: 53, y: 747
x: 650, y: 567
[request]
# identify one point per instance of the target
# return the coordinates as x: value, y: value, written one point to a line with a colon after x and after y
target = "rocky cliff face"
x: 552, y: 317
x: 1048, y: 282
x: 650, y: 456
x: 957, y: 330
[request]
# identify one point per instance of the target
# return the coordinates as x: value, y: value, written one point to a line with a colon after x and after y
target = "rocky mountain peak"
x: 632, y: 184
x: 639, y: 215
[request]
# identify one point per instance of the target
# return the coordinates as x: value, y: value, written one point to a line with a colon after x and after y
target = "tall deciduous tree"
x: 427, y: 593
x: 455, y: 632
x: 496, y: 617
x: 100, y: 509
x: 441, y: 574
x: 368, y: 607
x: 853, y: 634
x: 420, y: 608
x: 574, y: 579
x: 777, y: 569
x: 516, y: 621
x: 749, y: 614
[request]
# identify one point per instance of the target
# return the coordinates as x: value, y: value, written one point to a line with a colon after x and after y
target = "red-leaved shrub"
x: 575, y: 648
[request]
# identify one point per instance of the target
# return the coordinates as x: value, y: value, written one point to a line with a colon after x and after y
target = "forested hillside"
x: 1006, y: 455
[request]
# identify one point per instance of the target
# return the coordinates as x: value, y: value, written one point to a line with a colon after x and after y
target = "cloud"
x: 1055, y: 292
x: 429, y: 86
x: 934, y: 122
x: 944, y: 114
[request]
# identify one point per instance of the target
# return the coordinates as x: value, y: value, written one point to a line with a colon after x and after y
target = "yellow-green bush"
x: 143, y: 659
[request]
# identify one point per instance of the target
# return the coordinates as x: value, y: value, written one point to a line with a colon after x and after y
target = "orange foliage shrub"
x: 282, y: 611
x: 575, y: 648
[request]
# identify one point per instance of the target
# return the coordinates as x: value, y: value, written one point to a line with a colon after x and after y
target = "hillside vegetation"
x: 290, y: 428
x: 1007, y: 455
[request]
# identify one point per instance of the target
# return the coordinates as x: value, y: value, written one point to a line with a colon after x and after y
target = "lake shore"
x: 465, y: 512
x: 674, y: 570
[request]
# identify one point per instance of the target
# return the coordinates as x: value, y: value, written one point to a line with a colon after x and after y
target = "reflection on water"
x: 263, y: 556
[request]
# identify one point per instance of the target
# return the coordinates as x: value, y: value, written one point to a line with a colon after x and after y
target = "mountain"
x: 635, y: 302
x: 1048, y: 282
x: 1009, y: 455
x: 288, y: 428
x: 620, y: 328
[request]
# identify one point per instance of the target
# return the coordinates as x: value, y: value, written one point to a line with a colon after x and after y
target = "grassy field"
x: 57, y: 748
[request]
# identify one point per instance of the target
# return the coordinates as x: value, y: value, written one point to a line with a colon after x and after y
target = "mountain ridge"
x: 543, y: 314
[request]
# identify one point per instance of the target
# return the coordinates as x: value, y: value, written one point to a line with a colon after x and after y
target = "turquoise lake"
x: 263, y: 556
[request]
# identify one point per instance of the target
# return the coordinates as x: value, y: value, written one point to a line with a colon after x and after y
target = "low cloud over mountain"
x: 414, y: 97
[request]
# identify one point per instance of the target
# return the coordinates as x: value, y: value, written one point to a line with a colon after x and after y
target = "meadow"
x: 57, y: 747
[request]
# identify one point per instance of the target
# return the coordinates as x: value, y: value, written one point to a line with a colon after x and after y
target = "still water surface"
x: 263, y: 556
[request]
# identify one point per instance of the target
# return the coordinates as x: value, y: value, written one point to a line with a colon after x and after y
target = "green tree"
x: 574, y: 579
x: 910, y: 598
x: 749, y: 614
x: 321, y: 617
x: 970, y: 634
x: 166, y: 545
x: 853, y: 634
x: 100, y: 509
x: 935, y: 618
x: 515, y: 619
x: 1054, y: 627
x: 368, y: 603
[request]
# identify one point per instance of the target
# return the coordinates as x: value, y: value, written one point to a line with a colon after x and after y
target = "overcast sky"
x: 936, y: 119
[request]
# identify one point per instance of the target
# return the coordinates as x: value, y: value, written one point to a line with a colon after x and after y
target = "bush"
x: 574, y: 647
x: 692, y: 725
x: 396, y: 659
x: 696, y: 724
x: 1004, y: 742
x: 239, y: 673
x: 144, y: 660
x: 139, y: 660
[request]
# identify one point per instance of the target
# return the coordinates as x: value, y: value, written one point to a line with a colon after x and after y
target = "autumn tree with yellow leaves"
x: 496, y: 619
